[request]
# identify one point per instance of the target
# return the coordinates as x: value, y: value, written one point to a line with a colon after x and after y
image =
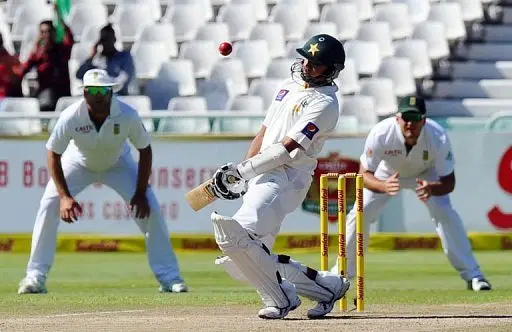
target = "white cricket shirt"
x: 76, y: 134
x: 307, y: 115
x: 385, y: 149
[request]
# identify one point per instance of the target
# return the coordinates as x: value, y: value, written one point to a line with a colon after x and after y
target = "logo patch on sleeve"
x: 310, y: 130
x: 281, y: 94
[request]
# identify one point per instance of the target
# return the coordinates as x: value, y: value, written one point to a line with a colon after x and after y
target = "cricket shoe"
x: 177, y: 287
x: 279, y: 313
x: 479, y: 284
x: 30, y: 285
x: 338, y: 286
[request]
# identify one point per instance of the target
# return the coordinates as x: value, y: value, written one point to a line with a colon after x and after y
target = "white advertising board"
x: 483, y: 195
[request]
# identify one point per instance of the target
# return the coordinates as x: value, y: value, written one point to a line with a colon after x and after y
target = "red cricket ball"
x: 225, y: 48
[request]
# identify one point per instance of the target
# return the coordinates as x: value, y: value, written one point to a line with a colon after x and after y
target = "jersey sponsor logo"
x: 281, y: 94
x: 84, y: 129
x: 310, y: 130
x: 393, y: 153
x: 116, y: 129
x: 425, y: 155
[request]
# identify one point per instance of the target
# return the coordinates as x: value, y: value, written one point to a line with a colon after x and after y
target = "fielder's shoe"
x: 479, y: 284
x: 279, y: 313
x: 30, y: 285
x: 339, y: 286
x: 178, y: 287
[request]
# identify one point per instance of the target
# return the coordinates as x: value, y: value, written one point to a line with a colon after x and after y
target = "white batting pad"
x: 255, y: 263
x: 295, y: 272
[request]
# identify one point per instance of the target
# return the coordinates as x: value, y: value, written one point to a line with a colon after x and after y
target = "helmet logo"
x: 321, y: 39
x: 313, y: 48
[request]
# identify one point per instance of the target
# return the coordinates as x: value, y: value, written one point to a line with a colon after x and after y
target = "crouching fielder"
x: 276, y: 175
x: 93, y: 134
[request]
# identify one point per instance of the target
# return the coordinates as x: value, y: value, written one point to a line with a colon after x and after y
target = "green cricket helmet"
x: 325, y: 50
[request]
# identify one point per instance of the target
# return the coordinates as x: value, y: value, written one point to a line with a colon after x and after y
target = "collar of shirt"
x: 114, y: 109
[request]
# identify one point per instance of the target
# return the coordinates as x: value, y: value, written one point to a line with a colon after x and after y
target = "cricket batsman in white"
x: 276, y: 175
x: 89, y: 145
x: 409, y: 151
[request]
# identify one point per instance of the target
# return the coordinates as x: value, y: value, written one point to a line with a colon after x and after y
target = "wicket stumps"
x: 324, y: 230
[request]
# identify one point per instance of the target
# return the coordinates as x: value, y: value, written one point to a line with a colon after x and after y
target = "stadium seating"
x: 456, y: 53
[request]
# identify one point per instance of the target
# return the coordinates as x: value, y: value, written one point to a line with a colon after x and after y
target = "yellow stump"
x: 324, y: 216
x: 342, y: 257
x: 359, y: 244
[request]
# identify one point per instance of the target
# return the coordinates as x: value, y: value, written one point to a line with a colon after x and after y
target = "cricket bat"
x: 201, y: 196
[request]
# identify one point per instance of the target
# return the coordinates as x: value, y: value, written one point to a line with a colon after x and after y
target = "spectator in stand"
x: 10, y: 73
x: 50, y: 58
x: 105, y: 55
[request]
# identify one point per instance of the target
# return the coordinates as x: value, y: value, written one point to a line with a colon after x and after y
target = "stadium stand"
x: 455, y: 53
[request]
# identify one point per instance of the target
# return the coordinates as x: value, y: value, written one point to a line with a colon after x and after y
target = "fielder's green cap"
x: 412, y: 104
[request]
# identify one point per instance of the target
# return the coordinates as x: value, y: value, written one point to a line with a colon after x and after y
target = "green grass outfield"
x: 90, y: 282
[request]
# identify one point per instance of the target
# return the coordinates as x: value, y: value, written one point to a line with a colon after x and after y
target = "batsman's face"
x: 312, y: 69
x: 411, y: 128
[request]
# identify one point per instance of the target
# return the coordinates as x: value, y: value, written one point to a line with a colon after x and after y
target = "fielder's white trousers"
x: 122, y: 177
x: 269, y: 198
x: 448, y: 224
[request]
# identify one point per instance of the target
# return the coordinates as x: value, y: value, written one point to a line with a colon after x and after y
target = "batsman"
x: 275, y: 177
x: 409, y: 151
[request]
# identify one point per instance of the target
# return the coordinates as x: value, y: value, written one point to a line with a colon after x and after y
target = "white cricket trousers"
x: 122, y: 177
x: 448, y: 224
x: 269, y: 198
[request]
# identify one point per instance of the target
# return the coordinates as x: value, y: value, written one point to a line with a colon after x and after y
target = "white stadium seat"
x: 202, y: 53
x: 81, y: 15
x: 397, y: 15
x: 472, y: 10
x: 259, y: 7
x: 399, y: 70
x: 317, y: 28
x: 28, y: 16
x: 231, y: 69
x: 366, y: 55
x: 240, y: 18
x: 218, y: 32
x: 148, y: 57
x: 381, y: 89
x: 254, y: 55
x: 344, y: 15
x: 160, y: 32
x: 433, y: 34
x: 450, y: 15
x: 293, y: 18
x: 279, y: 68
x: 363, y: 108
x: 310, y: 6
x: 205, y: 7
x: 185, y: 20
x: 365, y: 10
x: 20, y: 126
x: 418, y: 9
x: 174, y: 79
x: 273, y: 34
x: 379, y: 32
x: 132, y: 18
x: 348, y: 80
x: 196, y: 105
x: 416, y: 50
x: 154, y: 5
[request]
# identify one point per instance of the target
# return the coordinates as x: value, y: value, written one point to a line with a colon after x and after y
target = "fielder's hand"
x: 392, y: 185
x: 140, y: 204
x: 423, y: 190
x: 70, y: 210
x: 228, y: 184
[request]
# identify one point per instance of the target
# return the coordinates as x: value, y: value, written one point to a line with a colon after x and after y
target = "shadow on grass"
x: 362, y: 316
